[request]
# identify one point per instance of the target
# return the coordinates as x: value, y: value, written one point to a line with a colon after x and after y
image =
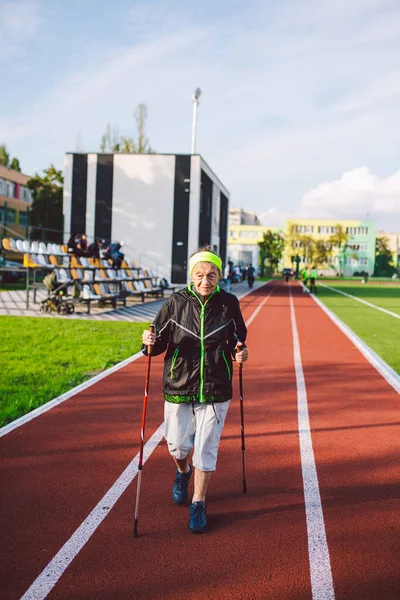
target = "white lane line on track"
x: 318, y: 551
x: 255, y: 313
x: 376, y: 361
x: 384, y: 310
x: 48, y: 578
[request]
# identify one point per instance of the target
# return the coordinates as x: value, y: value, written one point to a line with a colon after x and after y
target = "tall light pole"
x: 195, y: 98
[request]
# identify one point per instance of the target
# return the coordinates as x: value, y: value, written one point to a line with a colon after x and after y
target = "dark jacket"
x: 200, y: 340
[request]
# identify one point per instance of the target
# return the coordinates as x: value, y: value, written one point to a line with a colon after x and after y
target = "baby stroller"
x: 56, y: 299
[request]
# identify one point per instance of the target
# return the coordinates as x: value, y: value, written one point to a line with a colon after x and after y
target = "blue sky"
x: 299, y: 114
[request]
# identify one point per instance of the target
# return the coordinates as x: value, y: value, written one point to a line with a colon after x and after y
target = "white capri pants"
x: 202, y: 430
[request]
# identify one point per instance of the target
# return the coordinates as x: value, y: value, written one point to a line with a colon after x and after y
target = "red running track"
x: 57, y: 467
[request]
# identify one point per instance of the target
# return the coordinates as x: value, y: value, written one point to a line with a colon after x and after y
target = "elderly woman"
x: 200, y: 327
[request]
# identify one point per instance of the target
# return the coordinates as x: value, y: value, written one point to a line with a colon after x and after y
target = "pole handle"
x: 240, y: 365
x: 150, y: 348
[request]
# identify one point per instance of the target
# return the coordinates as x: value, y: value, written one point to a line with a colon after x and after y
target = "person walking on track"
x: 313, y: 280
x: 200, y: 328
x: 250, y: 275
x: 228, y: 275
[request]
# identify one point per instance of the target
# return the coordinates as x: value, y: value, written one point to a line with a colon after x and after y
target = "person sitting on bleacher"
x: 71, y: 244
x: 94, y: 249
x: 114, y: 253
x: 82, y: 245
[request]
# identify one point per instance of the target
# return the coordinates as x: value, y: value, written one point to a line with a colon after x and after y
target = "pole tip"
x: 135, y: 531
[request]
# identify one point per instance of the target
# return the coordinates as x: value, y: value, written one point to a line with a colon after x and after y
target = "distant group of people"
x: 235, y: 274
x: 78, y: 245
x: 309, y: 277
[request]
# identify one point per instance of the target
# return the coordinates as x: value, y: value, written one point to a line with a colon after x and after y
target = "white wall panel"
x: 216, y: 199
x: 194, y: 208
x: 91, y: 196
x: 143, y: 197
x: 67, y: 195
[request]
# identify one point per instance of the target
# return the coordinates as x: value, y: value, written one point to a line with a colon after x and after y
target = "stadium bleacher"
x: 97, y: 279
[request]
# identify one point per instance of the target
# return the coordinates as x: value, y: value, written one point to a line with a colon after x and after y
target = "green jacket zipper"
x: 202, y: 352
x: 227, y: 364
x: 175, y: 356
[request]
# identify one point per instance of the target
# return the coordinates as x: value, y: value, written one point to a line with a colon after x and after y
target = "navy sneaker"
x: 180, y: 487
x: 198, y: 520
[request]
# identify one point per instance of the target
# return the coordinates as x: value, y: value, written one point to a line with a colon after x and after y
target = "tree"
x: 323, y: 252
x: 143, y: 145
x: 15, y: 165
x: 271, y: 250
x: 339, y: 240
x: 383, y: 258
x: 6, y: 161
x: 302, y: 246
x: 112, y: 141
x: 47, y: 205
x: 4, y: 156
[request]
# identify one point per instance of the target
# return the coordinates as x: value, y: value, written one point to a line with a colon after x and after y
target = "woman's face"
x: 205, y: 277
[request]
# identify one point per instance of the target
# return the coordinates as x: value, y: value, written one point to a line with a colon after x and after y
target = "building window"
x: 2, y: 187
x: 10, y: 189
x: 333, y: 229
x: 10, y: 217
x: 23, y: 218
x: 303, y: 229
x: 24, y: 194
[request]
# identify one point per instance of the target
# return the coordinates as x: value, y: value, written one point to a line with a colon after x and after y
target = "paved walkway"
x: 14, y: 304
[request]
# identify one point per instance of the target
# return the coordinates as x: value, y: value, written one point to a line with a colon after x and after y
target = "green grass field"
x: 42, y: 358
x: 379, y: 330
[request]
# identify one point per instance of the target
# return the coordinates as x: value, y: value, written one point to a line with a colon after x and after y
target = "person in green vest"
x: 304, y: 275
x: 313, y: 280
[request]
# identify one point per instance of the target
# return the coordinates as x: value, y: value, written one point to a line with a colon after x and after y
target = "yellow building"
x: 243, y: 243
x: 356, y: 255
x: 15, y: 202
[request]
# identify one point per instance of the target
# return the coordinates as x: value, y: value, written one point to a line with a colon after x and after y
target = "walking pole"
x: 140, y: 465
x: 240, y: 365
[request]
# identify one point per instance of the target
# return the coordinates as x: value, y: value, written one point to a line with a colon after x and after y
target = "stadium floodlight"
x: 195, y: 97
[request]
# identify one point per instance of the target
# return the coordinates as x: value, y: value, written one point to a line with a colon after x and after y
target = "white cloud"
x: 355, y: 194
x: 274, y: 217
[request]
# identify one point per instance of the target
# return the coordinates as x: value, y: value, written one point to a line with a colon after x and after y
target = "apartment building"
x: 238, y: 216
x: 243, y: 243
x: 356, y: 254
x: 15, y: 202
